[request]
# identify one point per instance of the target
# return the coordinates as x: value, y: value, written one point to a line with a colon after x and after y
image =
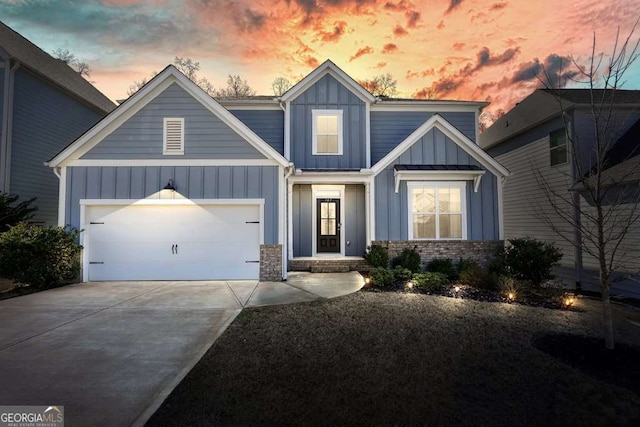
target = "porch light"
x: 170, y: 185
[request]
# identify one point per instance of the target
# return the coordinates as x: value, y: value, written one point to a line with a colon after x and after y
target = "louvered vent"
x: 173, y: 136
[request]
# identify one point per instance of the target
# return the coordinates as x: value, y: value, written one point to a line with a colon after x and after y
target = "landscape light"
x: 511, y: 296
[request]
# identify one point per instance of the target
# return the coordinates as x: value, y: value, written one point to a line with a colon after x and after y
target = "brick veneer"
x: 270, y: 263
x: 328, y: 265
x: 481, y: 251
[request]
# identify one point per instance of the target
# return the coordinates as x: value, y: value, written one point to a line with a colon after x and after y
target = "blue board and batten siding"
x: 192, y: 182
x: 390, y: 128
x: 267, y: 124
x: 45, y: 120
x: 205, y: 135
x: 434, y: 148
x: 328, y: 94
x: 354, y: 221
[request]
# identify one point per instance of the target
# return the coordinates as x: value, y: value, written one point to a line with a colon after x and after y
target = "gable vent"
x: 173, y: 136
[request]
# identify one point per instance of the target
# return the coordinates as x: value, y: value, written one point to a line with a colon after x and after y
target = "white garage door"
x: 169, y: 242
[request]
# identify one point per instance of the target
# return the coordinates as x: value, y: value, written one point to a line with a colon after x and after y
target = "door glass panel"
x: 328, y: 219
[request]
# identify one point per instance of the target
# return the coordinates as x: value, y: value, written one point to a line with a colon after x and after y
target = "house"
x: 174, y: 184
x: 530, y: 140
x: 43, y: 105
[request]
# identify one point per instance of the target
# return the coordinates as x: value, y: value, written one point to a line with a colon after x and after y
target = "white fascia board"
x: 436, y: 175
x: 172, y: 162
x: 252, y: 107
x: 329, y: 177
x: 437, y: 121
x: 328, y: 67
x: 141, y: 98
x: 429, y: 106
x: 161, y: 202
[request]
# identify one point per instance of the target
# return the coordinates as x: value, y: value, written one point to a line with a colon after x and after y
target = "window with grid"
x: 327, y: 132
x: 558, y: 147
x: 436, y: 210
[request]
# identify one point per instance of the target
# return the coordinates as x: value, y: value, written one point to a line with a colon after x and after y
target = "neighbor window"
x: 558, y: 147
x: 173, y: 136
x: 436, y: 210
x: 327, y: 132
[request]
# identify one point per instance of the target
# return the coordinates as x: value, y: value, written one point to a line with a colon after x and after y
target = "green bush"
x: 429, y: 281
x: 401, y: 274
x: 12, y: 213
x: 381, y: 277
x: 472, y: 274
x: 444, y: 266
x: 377, y: 256
x: 408, y: 258
x: 39, y: 256
x: 529, y: 259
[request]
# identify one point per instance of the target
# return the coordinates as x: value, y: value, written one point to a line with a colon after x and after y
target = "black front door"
x: 328, y: 227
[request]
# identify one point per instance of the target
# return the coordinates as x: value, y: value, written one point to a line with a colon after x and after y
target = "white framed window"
x: 558, y: 153
x: 327, y: 132
x: 173, y: 136
x: 437, y: 210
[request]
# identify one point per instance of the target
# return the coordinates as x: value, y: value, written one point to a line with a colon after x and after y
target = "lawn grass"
x: 391, y: 358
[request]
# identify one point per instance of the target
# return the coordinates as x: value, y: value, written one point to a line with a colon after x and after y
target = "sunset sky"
x: 486, y: 50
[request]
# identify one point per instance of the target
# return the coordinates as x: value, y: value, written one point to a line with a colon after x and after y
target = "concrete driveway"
x: 110, y: 352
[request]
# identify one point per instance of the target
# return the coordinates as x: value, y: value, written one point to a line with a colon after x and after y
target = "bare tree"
x: 236, y: 88
x: 487, y: 118
x: 382, y: 85
x: 71, y: 60
x: 186, y: 66
x: 280, y: 85
x: 602, y: 208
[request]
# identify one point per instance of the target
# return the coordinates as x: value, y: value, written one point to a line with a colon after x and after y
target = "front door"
x: 328, y: 227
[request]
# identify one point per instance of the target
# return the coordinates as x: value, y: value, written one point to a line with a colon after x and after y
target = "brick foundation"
x: 270, y: 263
x: 328, y: 265
x: 481, y: 251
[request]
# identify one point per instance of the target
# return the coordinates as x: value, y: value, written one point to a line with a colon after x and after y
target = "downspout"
x: 7, y: 125
x: 577, y: 247
x: 285, y: 247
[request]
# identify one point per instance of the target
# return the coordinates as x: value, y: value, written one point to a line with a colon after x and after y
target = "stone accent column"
x: 270, y: 263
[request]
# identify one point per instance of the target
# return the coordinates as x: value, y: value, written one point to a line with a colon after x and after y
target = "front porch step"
x: 329, y: 265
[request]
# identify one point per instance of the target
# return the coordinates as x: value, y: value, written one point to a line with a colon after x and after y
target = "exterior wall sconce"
x: 170, y: 185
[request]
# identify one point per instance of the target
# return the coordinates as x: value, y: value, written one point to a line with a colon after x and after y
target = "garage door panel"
x: 137, y: 242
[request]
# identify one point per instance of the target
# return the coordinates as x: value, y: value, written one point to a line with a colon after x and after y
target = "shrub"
x: 381, y: 277
x: 444, y: 266
x: 12, y: 213
x: 464, y: 264
x: 408, y: 258
x: 430, y: 281
x: 377, y: 256
x: 401, y: 274
x: 529, y: 259
x: 39, y: 256
x: 472, y: 274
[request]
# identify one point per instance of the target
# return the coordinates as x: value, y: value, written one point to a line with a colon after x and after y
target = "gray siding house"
x: 530, y: 140
x: 44, y: 104
x: 174, y: 184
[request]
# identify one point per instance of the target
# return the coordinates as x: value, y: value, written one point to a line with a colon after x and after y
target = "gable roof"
x: 58, y: 72
x: 328, y: 67
x: 440, y: 123
x: 141, y: 98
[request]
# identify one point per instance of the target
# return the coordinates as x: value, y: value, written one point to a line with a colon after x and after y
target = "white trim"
x: 329, y: 177
x: 87, y: 203
x: 367, y: 208
x: 367, y: 126
x: 462, y: 185
x: 287, y: 130
x: 437, y: 121
x: 328, y: 67
x: 474, y: 176
x: 428, y: 106
x: 168, y: 76
x: 62, y: 197
x: 338, y: 114
x: 250, y: 107
x: 289, y: 220
x: 165, y: 128
x: 173, y: 162
x: 327, y: 191
x: 372, y: 209
x: 500, y: 186
x: 282, y: 219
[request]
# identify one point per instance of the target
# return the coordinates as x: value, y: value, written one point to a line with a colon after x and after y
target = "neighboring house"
x: 174, y: 184
x: 43, y: 105
x: 531, y: 140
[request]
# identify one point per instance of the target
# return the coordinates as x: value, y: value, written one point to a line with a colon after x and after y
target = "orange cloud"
x: 367, y: 50
x: 399, y: 31
x: 389, y: 48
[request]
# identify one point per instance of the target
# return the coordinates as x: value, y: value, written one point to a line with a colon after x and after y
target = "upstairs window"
x: 327, y: 132
x: 558, y: 147
x: 436, y: 210
x: 173, y: 136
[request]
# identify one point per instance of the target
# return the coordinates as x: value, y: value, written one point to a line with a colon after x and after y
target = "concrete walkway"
x: 111, y: 352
